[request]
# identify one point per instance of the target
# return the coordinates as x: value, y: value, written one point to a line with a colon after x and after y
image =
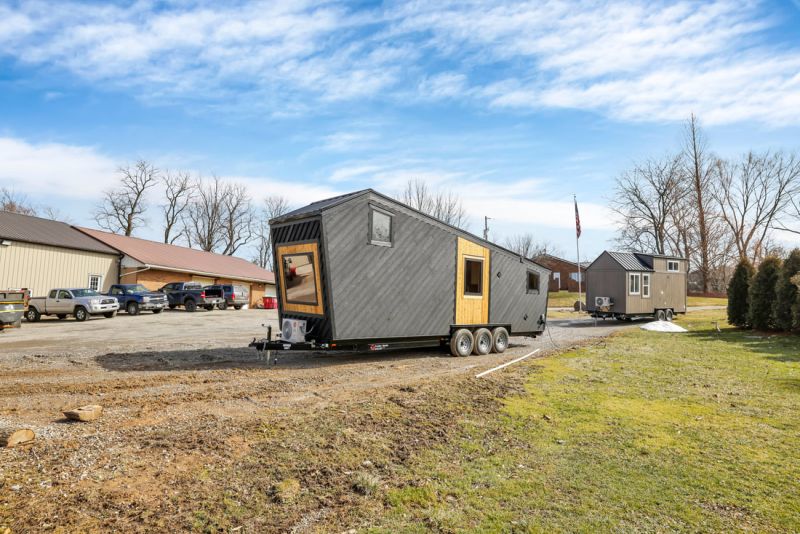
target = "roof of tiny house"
x: 315, y: 208
x: 634, y: 261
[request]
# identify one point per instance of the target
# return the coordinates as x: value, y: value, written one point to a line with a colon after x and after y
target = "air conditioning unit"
x: 602, y: 302
x: 293, y: 331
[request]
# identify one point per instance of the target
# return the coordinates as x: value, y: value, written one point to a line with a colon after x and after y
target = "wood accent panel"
x: 312, y: 248
x: 472, y: 309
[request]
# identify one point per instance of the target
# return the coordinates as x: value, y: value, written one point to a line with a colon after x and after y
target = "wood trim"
x: 303, y: 248
x: 472, y: 309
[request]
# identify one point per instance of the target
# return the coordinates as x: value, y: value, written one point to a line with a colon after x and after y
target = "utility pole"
x: 486, y: 228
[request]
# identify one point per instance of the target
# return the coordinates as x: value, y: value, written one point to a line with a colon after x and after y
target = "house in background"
x: 564, y: 275
x: 154, y: 264
x: 41, y: 254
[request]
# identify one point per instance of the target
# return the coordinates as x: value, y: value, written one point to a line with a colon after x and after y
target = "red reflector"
x: 203, y: 295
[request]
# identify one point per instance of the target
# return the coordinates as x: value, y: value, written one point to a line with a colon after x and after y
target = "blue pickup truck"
x: 134, y: 298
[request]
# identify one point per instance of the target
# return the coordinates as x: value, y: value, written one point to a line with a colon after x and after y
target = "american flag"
x: 577, y: 219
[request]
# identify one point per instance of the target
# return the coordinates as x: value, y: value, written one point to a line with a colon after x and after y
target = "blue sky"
x: 514, y: 106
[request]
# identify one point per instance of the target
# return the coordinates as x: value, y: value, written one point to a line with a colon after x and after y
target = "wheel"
x: 499, y: 340
x: 620, y: 317
x: 173, y: 306
x: 32, y: 315
x: 670, y: 315
x: 109, y: 315
x: 223, y: 305
x: 132, y: 308
x: 61, y: 316
x: 237, y: 307
x: 190, y: 305
x: 461, y: 343
x: 81, y: 314
x: 660, y: 315
x: 157, y: 311
x: 483, y: 342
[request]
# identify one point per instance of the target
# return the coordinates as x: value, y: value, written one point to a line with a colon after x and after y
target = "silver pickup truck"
x: 81, y: 303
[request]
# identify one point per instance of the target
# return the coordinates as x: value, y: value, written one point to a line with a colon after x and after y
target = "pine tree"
x: 796, y: 307
x: 786, y: 293
x: 739, y: 294
x: 762, y: 293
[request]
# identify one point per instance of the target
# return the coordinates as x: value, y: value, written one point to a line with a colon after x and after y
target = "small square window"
x: 533, y: 282
x: 673, y: 266
x: 473, y: 277
x: 380, y: 228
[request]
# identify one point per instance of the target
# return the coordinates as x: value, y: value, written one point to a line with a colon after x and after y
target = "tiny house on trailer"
x: 627, y: 285
x: 363, y: 271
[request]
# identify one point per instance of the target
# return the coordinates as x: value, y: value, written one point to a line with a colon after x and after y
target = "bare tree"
x: 443, y: 205
x: 15, y: 203
x: 647, y: 198
x: 528, y: 247
x: 793, y: 212
x: 699, y: 167
x: 752, y: 195
x: 122, y: 209
x: 204, y: 217
x: 178, y: 193
x: 274, y: 206
x: 237, y: 218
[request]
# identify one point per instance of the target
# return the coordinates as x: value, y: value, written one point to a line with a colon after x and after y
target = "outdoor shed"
x: 155, y: 264
x: 41, y: 254
x: 364, y: 267
x: 626, y: 285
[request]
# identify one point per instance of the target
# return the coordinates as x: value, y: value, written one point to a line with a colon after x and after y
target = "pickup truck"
x: 12, y: 306
x: 82, y: 303
x: 134, y: 298
x: 190, y: 295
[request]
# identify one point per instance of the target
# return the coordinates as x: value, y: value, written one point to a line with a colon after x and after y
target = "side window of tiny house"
x: 473, y: 276
x: 634, y: 281
x: 380, y: 227
x: 673, y: 266
x: 532, y: 282
x: 645, y: 286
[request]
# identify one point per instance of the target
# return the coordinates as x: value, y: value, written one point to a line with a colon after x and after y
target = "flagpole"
x: 578, y: 251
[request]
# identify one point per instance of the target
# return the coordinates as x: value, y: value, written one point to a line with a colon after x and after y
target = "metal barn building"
x: 626, y: 285
x: 40, y: 254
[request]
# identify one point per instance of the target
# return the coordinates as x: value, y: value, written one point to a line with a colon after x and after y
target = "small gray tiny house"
x: 626, y: 285
x: 364, y: 271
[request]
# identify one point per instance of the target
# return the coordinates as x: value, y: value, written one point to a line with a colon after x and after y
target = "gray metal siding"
x: 405, y: 290
x: 509, y: 300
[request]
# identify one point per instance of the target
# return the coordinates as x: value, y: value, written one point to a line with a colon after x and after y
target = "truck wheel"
x: 483, y: 342
x: 109, y: 315
x: 223, y: 305
x: 209, y: 307
x: 132, y: 308
x: 173, y: 306
x: 61, y: 316
x: 157, y: 311
x: 81, y: 314
x: 32, y: 315
x: 190, y: 305
x: 660, y: 315
x: 461, y: 343
x: 499, y: 339
x: 237, y: 307
x: 670, y: 315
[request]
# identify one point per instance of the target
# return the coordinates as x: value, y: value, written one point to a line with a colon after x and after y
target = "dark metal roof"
x: 629, y: 261
x: 317, y: 207
x: 29, y: 229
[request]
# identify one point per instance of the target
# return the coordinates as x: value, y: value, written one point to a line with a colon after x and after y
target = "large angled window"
x: 300, y: 278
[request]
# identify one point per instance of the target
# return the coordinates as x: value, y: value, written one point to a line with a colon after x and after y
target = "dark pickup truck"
x: 190, y: 295
x: 134, y: 298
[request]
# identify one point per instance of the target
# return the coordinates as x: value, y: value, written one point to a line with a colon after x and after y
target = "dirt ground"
x: 180, y: 390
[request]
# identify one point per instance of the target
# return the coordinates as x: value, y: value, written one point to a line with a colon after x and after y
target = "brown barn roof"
x: 183, y: 259
x: 29, y: 229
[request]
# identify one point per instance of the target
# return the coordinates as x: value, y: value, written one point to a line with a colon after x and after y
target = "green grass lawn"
x: 561, y: 299
x: 642, y: 432
x: 707, y: 301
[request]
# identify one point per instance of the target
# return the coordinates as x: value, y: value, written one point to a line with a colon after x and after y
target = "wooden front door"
x: 472, y: 283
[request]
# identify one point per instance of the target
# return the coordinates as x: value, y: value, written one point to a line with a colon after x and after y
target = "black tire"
x: 484, y: 342
x: 499, y: 340
x: 237, y: 307
x: 109, y: 315
x: 157, y: 311
x: 461, y: 342
x: 81, y: 314
x: 209, y: 307
x: 132, y: 308
x: 61, y: 316
x: 660, y: 315
x: 33, y: 315
x: 670, y: 315
x: 173, y: 306
x: 190, y: 305
x: 223, y: 305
